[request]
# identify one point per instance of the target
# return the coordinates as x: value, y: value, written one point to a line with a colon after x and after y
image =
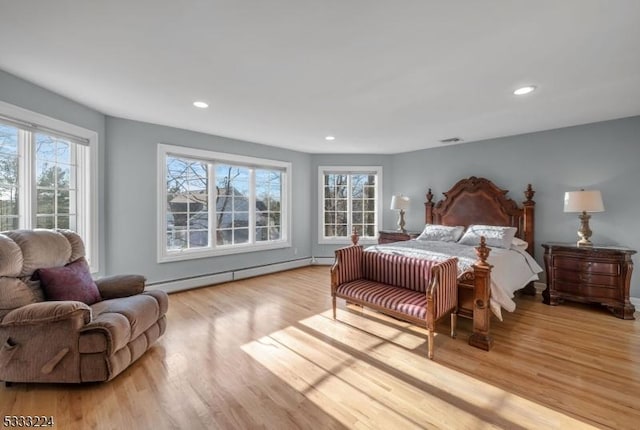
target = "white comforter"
x: 512, y: 268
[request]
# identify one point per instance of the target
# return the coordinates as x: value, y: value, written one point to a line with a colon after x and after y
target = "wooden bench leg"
x: 333, y: 300
x: 454, y: 324
x: 430, y: 353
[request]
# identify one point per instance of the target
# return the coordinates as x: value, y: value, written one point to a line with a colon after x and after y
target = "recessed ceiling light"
x: 524, y: 90
x: 330, y: 138
x: 201, y: 105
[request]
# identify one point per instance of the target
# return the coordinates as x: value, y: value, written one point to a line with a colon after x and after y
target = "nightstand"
x: 600, y: 274
x: 388, y: 236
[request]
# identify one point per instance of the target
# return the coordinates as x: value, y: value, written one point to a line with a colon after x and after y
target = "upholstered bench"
x: 414, y: 290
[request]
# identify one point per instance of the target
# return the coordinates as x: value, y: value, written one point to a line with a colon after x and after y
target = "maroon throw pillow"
x: 71, y: 282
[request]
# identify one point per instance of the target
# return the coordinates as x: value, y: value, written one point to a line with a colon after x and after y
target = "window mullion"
x: 26, y: 184
x: 212, y: 202
x: 78, y: 176
x: 252, y: 205
x: 55, y: 187
x: 349, y: 205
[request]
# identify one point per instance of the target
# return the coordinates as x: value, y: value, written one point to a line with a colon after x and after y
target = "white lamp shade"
x: 399, y: 202
x: 588, y: 201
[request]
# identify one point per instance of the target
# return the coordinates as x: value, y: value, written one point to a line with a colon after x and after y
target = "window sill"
x: 347, y: 241
x: 193, y: 254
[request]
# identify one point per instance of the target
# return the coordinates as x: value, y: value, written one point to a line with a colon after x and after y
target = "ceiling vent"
x: 451, y: 140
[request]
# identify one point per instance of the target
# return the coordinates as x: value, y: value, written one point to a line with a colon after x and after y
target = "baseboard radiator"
x: 183, y: 284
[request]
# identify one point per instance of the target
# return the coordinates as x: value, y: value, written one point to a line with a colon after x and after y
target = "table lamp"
x: 400, y: 203
x: 583, y: 202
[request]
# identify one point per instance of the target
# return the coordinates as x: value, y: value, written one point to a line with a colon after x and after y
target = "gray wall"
x: 603, y: 156
x: 131, y: 201
x: 26, y: 95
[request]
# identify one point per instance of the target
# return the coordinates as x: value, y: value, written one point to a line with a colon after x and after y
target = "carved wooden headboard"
x: 480, y: 201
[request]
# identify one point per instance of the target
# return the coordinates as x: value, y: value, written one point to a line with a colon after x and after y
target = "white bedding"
x: 512, y: 269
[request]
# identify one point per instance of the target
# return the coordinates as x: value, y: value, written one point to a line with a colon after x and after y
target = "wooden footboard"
x: 474, y: 293
x: 481, y: 337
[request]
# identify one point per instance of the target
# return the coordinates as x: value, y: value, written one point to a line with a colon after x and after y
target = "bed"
x: 488, y: 277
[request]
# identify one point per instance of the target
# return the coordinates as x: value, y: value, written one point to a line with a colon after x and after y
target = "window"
x: 214, y: 203
x: 56, y: 172
x: 349, y: 199
x: 46, y: 176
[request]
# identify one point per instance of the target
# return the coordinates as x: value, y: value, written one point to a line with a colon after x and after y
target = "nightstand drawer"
x: 580, y: 265
x: 607, y: 281
x: 594, y: 292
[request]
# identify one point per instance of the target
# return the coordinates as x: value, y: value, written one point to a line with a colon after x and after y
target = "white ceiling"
x: 382, y: 76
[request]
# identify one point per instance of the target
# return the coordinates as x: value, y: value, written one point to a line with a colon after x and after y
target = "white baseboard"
x: 635, y: 301
x: 190, y: 283
x: 270, y: 268
x: 218, y: 278
x: 322, y: 261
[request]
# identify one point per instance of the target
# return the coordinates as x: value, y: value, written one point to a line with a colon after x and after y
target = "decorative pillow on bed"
x: 520, y: 244
x: 70, y: 282
x: 442, y: 233
x: 497, y: 236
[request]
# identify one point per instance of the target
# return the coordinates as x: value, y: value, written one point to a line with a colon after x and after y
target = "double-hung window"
x: 214, y: 203
x: 46, y: 176
x: 349, y: 199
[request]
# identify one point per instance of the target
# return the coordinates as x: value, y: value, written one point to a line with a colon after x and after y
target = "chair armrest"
x: 113, y: 287
x: 46, y: 313
x: 443, y: 287
x: 347, y: 266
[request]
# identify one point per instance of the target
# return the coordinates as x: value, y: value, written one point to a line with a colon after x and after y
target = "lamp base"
x: 584, y: 243
x: 401, y: 221
x: 585, y: 232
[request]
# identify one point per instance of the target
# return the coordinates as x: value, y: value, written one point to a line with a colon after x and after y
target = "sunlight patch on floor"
x: 365, y: 373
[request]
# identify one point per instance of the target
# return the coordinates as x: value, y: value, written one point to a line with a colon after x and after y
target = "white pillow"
x: 520, y: 244
x: 497, y: 236
x: 442, y: 233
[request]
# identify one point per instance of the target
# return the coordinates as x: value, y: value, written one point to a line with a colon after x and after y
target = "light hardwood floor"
x: 265, y: 353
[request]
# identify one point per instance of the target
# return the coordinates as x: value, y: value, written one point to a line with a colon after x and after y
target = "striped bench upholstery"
x: 399, y: 299
x: 416, y: 290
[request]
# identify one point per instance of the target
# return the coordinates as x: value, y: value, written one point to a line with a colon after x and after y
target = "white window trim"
x: 322, y: 240
x: 90, y: 218
x: 165, y: 255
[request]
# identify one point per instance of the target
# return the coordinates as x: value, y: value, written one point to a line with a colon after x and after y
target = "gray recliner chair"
x: 69, y: 341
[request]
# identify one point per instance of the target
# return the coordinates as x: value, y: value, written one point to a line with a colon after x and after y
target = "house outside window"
x: 215, y: 203
x: 47, y: 171
x: 349, y: 199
